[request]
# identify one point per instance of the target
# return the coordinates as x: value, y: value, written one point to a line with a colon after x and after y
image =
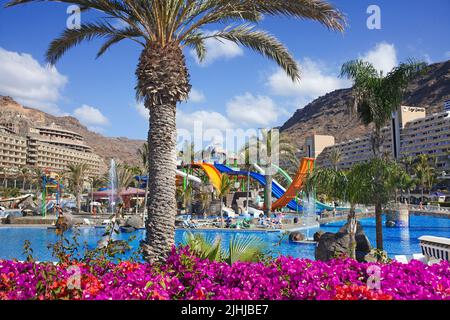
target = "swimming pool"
x: 396, y: 240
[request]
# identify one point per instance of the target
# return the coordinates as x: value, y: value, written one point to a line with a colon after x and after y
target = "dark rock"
x: 332, y: 245
x: 390, y: 224
x: 317, y: 235
x: 296, y: 236
x: 63, y: 223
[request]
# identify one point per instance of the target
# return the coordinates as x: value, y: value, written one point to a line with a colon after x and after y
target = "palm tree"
x: 164, y: 28
x: 225, y: 186
x: 76, y: 174
x: 205, y: 199
x: 263, y: 146
x: 24, y: 173
x: 425, y: 173
x: 143, y: 153
x: 376, y: 97
x: 335, y: 158
x: 125, y: 176
x: 345, y: 186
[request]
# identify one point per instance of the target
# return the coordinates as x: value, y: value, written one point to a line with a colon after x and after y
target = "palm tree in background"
x: 425, y: 173
x: 225, y: 186
x: 267, y: 146
x: 24, y: 173
x: 376, y: 97
x: 342, y: 185
x: 335, y: 158
x: 76, y: 175
x: 163, y: 29
x: 143, y: 153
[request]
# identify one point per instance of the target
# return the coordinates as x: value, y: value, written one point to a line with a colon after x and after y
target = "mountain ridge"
x: 120, y: 148
x: 328, y: 114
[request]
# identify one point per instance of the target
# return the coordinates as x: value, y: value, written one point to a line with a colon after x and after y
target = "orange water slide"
x: 306, y: 166
x: 213, y: 174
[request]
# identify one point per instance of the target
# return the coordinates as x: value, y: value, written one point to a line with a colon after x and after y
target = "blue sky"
x: 235, y: 88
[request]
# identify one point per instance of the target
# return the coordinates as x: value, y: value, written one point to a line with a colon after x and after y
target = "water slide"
x: 319, y: 205
x: 213, y: 174
x: 306, y: 165
x: 277, y: 190
x: 188, y: 176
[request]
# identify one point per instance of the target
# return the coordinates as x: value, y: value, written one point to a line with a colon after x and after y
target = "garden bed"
x: 184, y: 276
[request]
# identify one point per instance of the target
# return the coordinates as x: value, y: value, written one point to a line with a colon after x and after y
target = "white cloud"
x: 249, y: 110
x: 91, y: 117
x: 142, y: 110
x: 315, y: 81
x: 447, y: 54
x: 207, y: 120
x: 186, y: 120
x: 196, y: 96
x: 383, y: 57
x: 34, y: 85
x: 218, y: 49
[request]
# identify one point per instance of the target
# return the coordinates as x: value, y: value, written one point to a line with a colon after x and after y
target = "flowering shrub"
x: 185, y: 276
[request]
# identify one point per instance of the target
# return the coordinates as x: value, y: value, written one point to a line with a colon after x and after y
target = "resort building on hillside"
x: 13, y: 149
x: 411, y: 133
x: 48, y: 147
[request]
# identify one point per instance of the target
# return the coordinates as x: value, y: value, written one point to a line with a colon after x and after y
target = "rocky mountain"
x: 122, y: 149
x: 329, y: 114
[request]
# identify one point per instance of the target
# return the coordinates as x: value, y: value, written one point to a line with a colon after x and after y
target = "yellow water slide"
x: 215, y: 177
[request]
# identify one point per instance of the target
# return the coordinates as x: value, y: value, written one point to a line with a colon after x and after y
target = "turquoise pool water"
x: 396, y: 241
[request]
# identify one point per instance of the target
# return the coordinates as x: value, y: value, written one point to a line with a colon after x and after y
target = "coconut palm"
x: 376, y: 97
x: 76, y: 175
x: 164, y: 28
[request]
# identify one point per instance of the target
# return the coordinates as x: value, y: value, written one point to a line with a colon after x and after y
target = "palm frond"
x: 88, y: 31
x: 128, y: 33
x: 263, y: 43
x: 244, y: 249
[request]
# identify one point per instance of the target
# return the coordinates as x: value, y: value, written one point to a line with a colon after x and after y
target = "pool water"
x: 396, y: 240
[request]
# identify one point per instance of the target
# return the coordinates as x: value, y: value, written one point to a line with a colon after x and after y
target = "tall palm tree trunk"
x: 248, y: 190
x: 351, y: 228
x: 379, y: 225
x: 221, y: 212
x: 161, y: 206
x: 163, y: 80
x: 376, y: 144
x: 268, y: 194
x: 78, y: 199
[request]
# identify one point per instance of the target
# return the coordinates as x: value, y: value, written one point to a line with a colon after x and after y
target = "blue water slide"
x: 277, y: 190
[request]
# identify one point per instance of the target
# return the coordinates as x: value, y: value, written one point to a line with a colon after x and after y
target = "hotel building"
x: 410, y: 133
x: 50, y: 148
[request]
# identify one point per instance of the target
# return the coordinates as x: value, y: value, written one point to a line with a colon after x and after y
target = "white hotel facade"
x: 410, y: 133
